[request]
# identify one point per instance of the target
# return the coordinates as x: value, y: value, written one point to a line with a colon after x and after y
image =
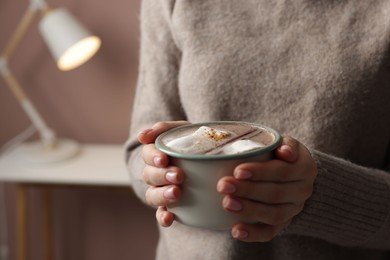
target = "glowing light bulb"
x: 79, y: 53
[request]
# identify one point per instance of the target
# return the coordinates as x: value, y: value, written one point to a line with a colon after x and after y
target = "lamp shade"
x: 69, y: 41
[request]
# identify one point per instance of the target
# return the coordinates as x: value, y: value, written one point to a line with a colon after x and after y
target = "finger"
x: 154, y: 157
x: 164, y: 217
x: 271, y: 214
x: 266, y: 192
x: 162, y: 196
x: 273, y: 171
x: 149, y: 135
x: 162, y: 176
x: 288, y: 150
x: 258, y: 232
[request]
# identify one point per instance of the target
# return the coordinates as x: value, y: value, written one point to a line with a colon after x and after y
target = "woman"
x: 314, y: 70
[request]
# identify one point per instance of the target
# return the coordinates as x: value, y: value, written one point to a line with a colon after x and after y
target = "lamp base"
x: 35, y: 153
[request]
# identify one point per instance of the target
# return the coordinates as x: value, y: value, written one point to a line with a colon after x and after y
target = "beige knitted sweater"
x: 316, y: 70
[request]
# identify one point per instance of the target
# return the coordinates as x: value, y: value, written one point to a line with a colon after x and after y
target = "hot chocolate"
x: 220, y: 138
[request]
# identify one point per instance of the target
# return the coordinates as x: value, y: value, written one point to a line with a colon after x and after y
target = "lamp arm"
x: 20, y: 31
x: 47, y: 135
x: 24, y: 25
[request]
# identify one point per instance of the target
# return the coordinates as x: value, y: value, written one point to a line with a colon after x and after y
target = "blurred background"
x: 91, y: 104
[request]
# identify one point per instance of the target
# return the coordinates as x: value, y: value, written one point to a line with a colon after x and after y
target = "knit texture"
x: 316, y: 70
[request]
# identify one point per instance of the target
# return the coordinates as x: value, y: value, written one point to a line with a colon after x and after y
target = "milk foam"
x: 205, y: 140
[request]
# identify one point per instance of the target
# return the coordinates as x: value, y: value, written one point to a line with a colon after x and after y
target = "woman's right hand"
x: 164, y: 179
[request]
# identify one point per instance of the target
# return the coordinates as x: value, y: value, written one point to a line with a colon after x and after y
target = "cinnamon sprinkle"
x: 216, y: 135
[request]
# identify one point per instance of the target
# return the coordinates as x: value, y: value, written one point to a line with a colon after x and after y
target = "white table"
x: 95, y: 165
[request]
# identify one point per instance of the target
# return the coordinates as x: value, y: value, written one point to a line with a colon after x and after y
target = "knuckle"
x: 145, y: 176
x: 144, y: 151
x: 147, y: 152
x: 161, y: 125
x: 153, y: 197
x: 277, y: 217
x: 148, y: 197
x: 313, y: 171
x: 306, y: 193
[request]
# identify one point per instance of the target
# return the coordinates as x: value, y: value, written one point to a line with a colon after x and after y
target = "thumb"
x: 148, y: 136
x: 289, y: 150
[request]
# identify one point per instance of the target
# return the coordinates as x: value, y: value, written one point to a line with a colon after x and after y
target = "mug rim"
x: 159, y: 144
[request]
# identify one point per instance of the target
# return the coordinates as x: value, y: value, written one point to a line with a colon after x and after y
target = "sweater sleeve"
x: 349, y: 206
x: 156, y: 97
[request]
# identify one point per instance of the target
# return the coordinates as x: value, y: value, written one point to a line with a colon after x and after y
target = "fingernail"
x: 226, y: 187
x: 290, y: 153
x: 240, y: 233
x: 286, y: 148
x: 243, y: 174
x: 144, y: 132
x: 164, y: 219
x: 233, y: 205
x: 172, y: 177
x: 157, y: 161
x: 169, y: 193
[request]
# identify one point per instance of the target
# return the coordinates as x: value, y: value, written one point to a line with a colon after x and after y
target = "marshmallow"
x: 241, y: 146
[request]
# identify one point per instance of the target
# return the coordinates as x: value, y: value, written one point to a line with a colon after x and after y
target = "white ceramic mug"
x: 201, y: 204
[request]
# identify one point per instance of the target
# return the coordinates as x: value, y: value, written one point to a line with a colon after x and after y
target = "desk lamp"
x: 71, y: 45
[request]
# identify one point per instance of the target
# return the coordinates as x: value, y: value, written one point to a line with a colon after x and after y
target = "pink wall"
x: 91, y: 104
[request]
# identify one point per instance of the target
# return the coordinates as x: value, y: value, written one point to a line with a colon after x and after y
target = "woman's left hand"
x: 269, y: 194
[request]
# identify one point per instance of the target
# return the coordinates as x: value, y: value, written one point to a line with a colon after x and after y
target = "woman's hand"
x: 164, y: 179
x: 269, y: 194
